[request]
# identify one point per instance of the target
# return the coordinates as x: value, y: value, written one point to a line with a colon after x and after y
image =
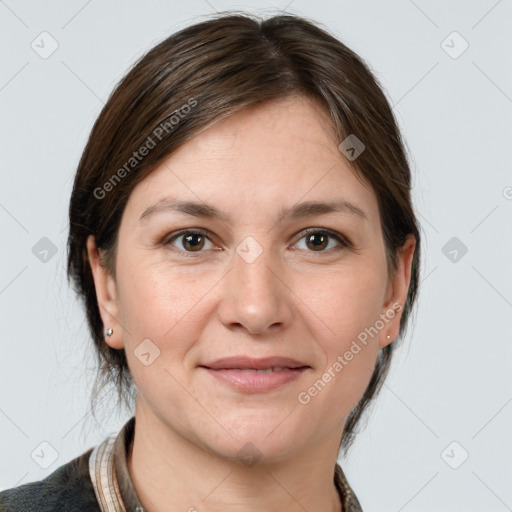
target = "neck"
x: 169, y: 472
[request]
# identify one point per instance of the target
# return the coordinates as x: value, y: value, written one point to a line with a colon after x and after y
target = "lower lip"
x: 255, y: 382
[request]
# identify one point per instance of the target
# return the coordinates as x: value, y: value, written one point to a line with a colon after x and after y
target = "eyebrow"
x: 300, y: 210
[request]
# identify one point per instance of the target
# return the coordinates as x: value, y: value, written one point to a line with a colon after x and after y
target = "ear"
x: 396, y: 293
x: 106, y: 295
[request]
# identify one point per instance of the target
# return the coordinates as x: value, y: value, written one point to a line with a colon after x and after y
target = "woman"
x: 243, y: 238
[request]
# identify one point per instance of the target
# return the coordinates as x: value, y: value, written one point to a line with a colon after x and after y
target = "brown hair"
x: 199, y: 76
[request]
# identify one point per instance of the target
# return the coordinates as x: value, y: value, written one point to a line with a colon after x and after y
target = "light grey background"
x: 451, y: 380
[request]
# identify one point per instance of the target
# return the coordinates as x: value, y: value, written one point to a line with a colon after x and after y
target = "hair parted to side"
x: 218, y: 67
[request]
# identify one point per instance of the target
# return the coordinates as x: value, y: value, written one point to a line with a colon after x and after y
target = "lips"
x: 250, y: 375
x: 275, y: 363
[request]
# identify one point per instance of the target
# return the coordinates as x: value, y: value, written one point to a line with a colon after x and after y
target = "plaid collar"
x: 114, y: 490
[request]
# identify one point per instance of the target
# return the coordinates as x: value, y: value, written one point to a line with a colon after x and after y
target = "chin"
x: 267, y: 440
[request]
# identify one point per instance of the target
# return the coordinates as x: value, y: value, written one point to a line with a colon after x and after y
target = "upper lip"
x: 244, y: 362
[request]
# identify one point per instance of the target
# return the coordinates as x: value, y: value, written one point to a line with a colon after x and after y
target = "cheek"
x: 345, y: 301
x: 164, y: 304
x: 156, y: 296
x: 348, y: 305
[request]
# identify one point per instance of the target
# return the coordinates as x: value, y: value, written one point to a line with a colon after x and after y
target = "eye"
x: 317, y: 240
x: 190, y: 241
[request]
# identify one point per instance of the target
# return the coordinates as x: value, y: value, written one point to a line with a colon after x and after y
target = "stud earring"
x: 108, y: 332
x: 388, y: 336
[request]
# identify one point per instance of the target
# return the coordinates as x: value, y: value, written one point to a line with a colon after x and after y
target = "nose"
x: 255, y: 295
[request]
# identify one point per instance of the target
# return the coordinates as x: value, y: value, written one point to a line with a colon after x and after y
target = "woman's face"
x: 238, y: 275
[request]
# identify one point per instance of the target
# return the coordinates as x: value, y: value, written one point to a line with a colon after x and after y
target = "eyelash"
x: 343, y: 241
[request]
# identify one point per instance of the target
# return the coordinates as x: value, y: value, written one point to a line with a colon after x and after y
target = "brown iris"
x: 318, y: 240
x: 193, y: 242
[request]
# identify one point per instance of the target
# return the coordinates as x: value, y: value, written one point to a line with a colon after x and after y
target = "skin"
x: 293, y: 300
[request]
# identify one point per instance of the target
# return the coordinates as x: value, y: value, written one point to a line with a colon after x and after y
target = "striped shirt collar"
x: 108, y: 469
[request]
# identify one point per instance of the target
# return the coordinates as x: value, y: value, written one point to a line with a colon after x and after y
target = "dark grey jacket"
x: 68, y: 489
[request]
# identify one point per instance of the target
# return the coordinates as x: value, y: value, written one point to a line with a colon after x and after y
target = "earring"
x: 108, y: 332
x: 388, y: 336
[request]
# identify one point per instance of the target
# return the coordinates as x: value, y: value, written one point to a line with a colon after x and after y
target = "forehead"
x: 264, y: 157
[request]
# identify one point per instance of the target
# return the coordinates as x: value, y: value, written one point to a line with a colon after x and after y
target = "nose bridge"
x: 254, y: 295
x: 253, y: 263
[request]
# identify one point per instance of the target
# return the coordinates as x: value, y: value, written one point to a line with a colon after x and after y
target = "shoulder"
x: 69, y: 487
